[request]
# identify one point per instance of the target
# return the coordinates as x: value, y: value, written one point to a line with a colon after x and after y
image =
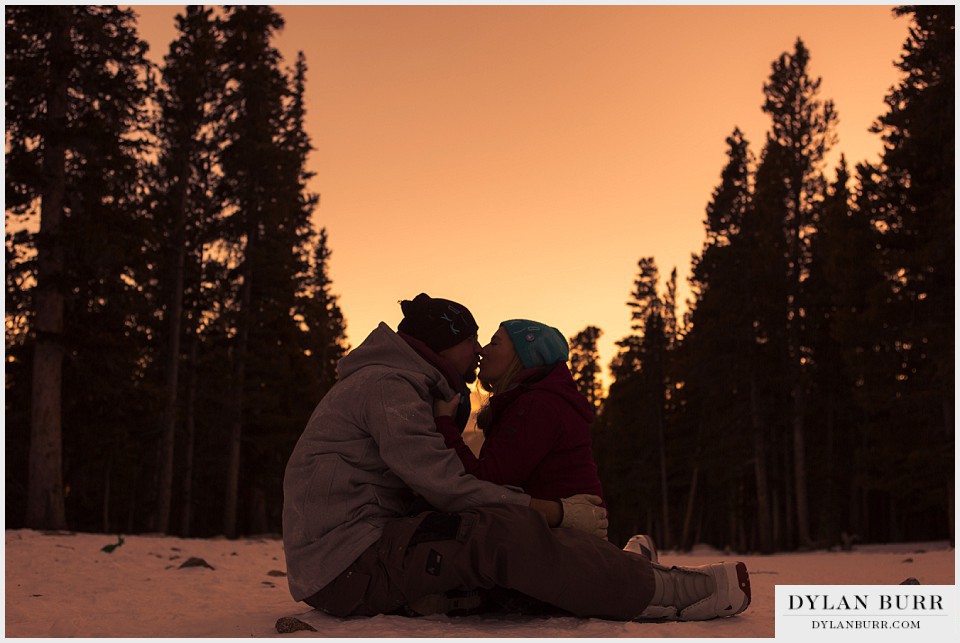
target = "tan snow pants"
x: 506, y: 546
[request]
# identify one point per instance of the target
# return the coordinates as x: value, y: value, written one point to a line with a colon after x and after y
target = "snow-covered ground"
x: 64, y: 585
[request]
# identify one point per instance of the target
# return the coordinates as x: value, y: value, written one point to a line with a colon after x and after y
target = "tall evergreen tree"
x: 584, y: 364
x: 321, y: 317
x: 185, y: 204
x: 914, y: 208
x: 252, y: 164
x: 841, y: 260
x: 264, y: 179
x: 765, y: 269
x: 718, y: 360
x: 803, y: 131
x: 326, y: 328
x: 634, y: 417
x: 75, y: 87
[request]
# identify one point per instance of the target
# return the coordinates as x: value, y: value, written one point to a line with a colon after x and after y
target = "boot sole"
x: 738, y: 590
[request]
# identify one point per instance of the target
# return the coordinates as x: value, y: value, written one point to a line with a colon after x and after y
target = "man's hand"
x: 584, y: 512
x: 441, y: 407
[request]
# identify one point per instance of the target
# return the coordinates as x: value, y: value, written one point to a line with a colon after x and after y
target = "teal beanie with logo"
x: 536, y: 344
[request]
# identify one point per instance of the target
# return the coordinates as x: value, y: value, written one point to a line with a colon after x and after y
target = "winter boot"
x: 643, y: 545
x: 698, y: 593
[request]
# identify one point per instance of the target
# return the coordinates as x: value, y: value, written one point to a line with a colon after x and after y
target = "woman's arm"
x: 526, y: 433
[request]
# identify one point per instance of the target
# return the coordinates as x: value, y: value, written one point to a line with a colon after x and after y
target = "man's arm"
x: 402, y: 424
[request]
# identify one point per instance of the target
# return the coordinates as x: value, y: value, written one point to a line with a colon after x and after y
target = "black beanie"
x: 438, y: 323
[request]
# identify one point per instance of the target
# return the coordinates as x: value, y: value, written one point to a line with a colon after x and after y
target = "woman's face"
x: 496, y: 356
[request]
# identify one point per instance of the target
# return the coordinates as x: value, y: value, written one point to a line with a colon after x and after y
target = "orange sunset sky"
x: 521, y: 159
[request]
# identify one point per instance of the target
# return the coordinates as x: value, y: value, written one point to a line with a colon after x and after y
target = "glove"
x: 584, y: 512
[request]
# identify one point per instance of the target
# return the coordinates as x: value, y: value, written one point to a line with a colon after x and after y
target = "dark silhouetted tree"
x: 718, y: 360
x: 912, y: 203
x: 75, y: 87
x: 634, y: 417
x: 252, y: 109
x: 584, y: 364
x: 803, y: 131
x: 186, y: 205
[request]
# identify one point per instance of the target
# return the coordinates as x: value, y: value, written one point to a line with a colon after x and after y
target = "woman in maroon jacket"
x: 536, y: 429
x: 537, y: 424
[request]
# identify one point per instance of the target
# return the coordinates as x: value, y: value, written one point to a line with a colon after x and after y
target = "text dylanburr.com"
x: 867, y: 612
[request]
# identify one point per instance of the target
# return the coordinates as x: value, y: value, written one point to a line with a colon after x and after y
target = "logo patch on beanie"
x: 453, y: 327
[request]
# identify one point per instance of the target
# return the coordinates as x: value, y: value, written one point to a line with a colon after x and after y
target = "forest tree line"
x: 806, y: 397
x: 170, y: 322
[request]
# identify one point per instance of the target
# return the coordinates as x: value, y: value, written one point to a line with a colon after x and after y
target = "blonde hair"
x: 505, y: 383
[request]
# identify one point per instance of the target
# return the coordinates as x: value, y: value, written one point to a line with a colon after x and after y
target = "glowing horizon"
x: 521, y: 159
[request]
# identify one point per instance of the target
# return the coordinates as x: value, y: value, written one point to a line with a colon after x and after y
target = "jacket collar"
x: 454, y: 379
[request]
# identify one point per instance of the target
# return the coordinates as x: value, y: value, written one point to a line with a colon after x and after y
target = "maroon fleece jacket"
x: 539, y: 438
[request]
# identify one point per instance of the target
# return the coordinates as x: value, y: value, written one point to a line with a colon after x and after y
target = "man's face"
x: 465, y: 358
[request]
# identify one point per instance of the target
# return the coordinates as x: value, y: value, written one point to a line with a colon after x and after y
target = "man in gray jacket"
x: 370, y: 451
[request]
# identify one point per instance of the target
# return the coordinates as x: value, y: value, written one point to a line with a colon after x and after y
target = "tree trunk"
x: 795, y: 357
x: 764, y: 522
x: 691, y: 498
x: 800, y: 465
x: 777, y: 521
x: 175, y: 314
x: 45, y: 501
x: 190, y: 424
x: 236, y: 428
x: 789, y: 510
x: 664, y: 492
x: 106, y: 495
x: 833, y: 503
x: 685, y: 542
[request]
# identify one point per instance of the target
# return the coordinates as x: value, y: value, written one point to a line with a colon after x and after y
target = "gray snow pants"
x: 499, y: 545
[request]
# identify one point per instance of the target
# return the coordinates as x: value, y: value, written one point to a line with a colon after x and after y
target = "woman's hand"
x: 584, y: 512
x: 443, y: 408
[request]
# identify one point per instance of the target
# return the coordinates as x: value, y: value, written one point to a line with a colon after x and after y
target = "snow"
x: 63, y: 585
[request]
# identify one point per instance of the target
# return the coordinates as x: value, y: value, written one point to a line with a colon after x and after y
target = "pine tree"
x: 769, y: 389
x: 803, y: 131
x: 584, y: 364
x: 19, y: 275
x: 841, y: 272
x: 269, y: 222
x: 186, y: 127
x: 635, y: 415
x: 719, y: 354
x: 913, y: 206
x: 253, y: 113
x: 326, y: 327
x: 75, y: 90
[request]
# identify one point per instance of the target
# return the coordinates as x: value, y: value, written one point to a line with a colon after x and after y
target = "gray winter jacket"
x: 370, y: 441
